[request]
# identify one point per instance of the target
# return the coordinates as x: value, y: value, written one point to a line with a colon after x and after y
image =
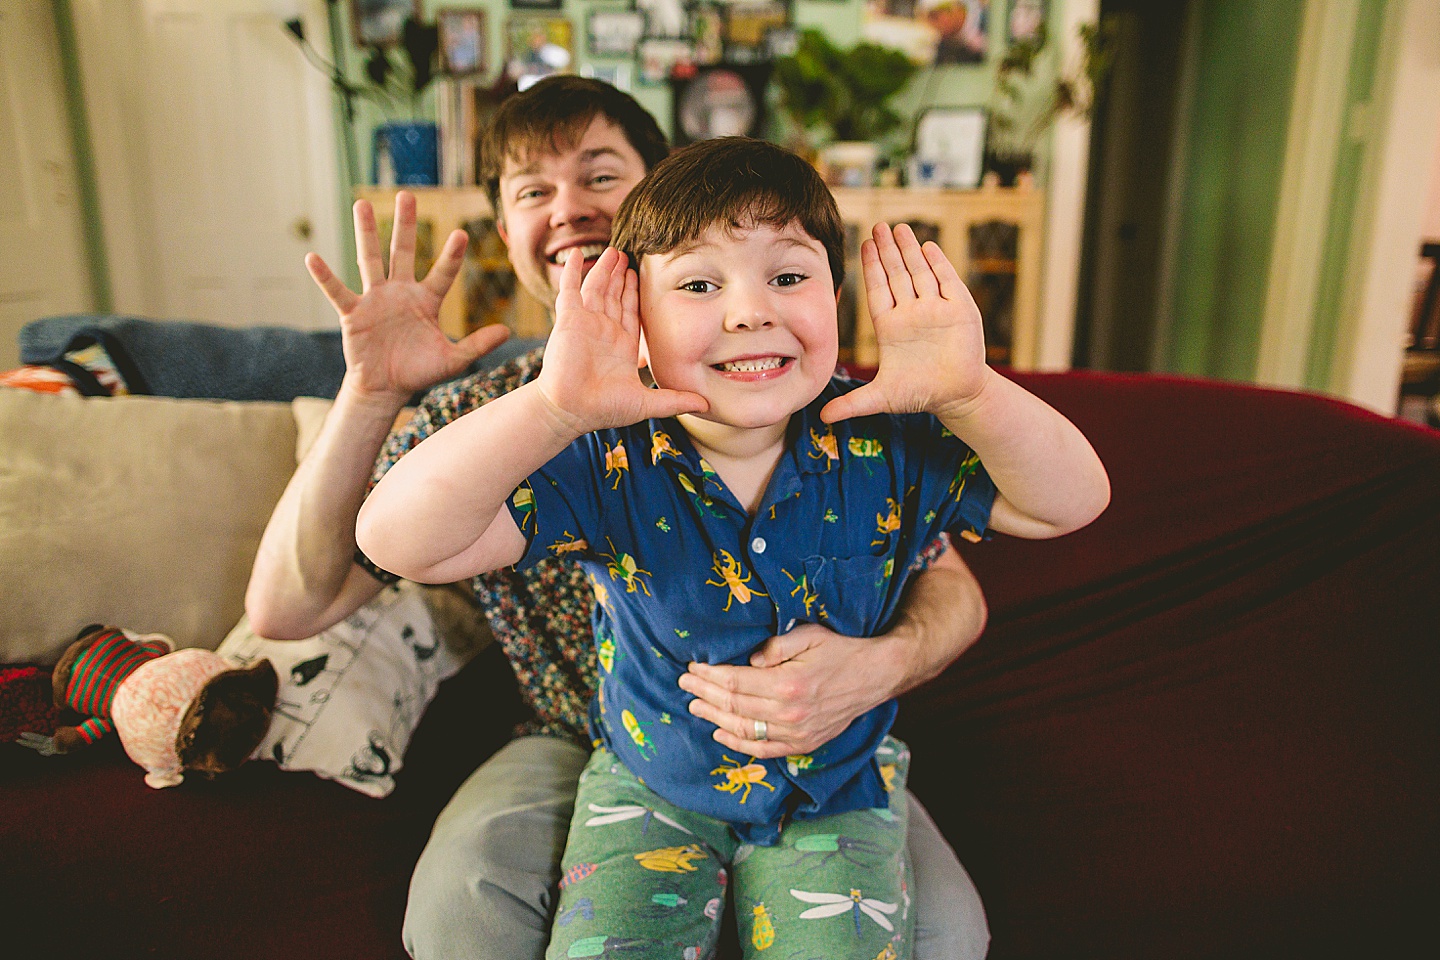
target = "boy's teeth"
x: 587, y: 251
x: 752, y: 366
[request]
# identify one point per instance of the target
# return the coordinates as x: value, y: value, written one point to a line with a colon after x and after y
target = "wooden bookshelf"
x: 992, y: 235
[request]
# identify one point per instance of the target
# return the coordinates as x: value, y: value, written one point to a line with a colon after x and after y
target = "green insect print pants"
x: 644, y: 878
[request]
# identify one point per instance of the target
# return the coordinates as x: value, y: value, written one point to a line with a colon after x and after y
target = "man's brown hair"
x: 552, y: 116
x: 733, y: 182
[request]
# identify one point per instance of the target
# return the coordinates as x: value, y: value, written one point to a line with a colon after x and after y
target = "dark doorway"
x: 1132, y: 154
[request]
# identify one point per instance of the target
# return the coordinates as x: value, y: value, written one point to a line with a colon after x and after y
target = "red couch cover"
x: 1206, y: 726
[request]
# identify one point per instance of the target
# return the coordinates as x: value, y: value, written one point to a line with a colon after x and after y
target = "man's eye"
x: 602, y: 179
x: 789, y: 279
x: 530, y: 193
x: 698, y: 286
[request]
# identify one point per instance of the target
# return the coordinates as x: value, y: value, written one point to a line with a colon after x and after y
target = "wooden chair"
x: 1421, y: 372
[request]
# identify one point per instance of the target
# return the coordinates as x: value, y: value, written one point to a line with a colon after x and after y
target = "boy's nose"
x: 750, y: 311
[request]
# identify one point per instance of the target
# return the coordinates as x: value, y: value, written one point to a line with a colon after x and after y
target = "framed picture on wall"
x: 1026, y: 21
x: 720, y: 101
x: 535, y: 4
x: 379, y: 23
x: 949, y: 148
x: 747, y: 26
x: 658, y: 58
x: 536, y: 47
x: 616, y: 74
x: 614, y: 33
x: 463, y: 40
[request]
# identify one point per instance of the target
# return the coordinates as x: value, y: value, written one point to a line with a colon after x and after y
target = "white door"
x: 42, y: 253
x: 215, y: 157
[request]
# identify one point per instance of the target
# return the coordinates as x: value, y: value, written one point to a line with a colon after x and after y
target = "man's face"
x: 553, y: 206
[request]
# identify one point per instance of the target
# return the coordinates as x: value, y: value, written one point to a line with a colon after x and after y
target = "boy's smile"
x: 745, y: 317
x: 555, y: 206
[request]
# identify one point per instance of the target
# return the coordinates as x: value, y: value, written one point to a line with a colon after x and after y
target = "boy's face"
x: 552, y: 205
x: 745, y: 318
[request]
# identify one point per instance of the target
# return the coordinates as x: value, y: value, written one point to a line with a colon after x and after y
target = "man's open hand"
x: 391, y: 332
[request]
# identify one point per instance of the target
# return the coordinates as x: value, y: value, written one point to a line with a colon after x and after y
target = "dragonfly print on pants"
x: 630, y: 811
x: 834, y: 904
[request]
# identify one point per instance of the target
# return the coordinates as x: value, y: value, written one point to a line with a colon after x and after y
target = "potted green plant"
x: 1020, y: 112
x: 840, y: 100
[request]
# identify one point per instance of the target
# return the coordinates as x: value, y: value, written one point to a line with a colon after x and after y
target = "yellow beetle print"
x: 968, y: 468
x: 887, y: 523
x: 740, y: 776
x: 825, y: 448
x: 562, y: 547
x: 807, y: 596
x: 602, y: 592
x: 605, y: 653
x: 672, y: 859
x: 661, y: 444
x: 633, y: 727
x: 866, y: 449
x: 728, y: 570
x: 617, y: 461
x: 524, y: 500
x: 622, y: 566
x: 762, y: 928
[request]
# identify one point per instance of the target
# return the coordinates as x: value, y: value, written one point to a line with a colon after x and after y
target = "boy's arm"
x: 304, y: 578
x: 809, y: 684
x: 439, y: 514
x: 932, y: 360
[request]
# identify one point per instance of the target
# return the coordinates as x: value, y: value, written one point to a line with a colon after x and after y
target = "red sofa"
x: 1206, y: 726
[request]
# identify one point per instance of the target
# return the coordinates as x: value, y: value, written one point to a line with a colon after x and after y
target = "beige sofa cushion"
x: 142, y: 512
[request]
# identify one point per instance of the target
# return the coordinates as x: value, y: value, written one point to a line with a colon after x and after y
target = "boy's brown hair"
x: 552, y: 116
x: 734, y: 182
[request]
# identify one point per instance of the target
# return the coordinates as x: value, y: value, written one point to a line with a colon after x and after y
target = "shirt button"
x: 790, y: 626
x: 758, y: 544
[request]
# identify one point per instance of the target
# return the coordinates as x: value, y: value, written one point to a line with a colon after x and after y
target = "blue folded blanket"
x: 179, y: 358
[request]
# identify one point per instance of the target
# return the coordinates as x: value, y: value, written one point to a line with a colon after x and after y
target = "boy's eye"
x: 698, y: 286
x: 530, y: 193
x: 789, y: 279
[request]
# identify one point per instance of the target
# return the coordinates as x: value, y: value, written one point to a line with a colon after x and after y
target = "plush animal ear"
x: 228, y: 718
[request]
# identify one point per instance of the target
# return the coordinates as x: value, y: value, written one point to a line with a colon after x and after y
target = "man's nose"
x: 570, y: 206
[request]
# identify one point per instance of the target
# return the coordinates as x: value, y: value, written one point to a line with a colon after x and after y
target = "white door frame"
x: 111, y: 87
x: 1403, y: 123
x: 1065, y: 208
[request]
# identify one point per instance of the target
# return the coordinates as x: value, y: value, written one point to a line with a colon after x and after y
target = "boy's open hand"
x: 391, y: 331
x: 932, y: 343
x: 591, y: 376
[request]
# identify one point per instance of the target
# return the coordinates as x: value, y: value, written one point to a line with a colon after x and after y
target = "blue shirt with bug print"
x: 683, y: 573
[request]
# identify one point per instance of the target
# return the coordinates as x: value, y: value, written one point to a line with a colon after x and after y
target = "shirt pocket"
x: 854, y: 591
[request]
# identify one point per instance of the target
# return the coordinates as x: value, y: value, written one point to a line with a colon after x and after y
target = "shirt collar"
x: 817, y: 448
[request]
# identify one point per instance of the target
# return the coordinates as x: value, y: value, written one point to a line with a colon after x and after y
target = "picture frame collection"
x: 649, y: 42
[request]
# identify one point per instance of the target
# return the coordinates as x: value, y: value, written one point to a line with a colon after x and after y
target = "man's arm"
x: 809, y: 684
x: 305, y: 578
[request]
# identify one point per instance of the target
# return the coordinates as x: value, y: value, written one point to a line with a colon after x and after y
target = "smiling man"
x: 557, y: 161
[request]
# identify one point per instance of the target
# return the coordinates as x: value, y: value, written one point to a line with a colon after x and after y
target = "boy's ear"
x: 644, y: 351
x: 500, y: 229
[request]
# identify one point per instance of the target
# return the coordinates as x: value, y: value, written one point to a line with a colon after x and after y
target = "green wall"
x: 1236, y: 151
x: 950, y: 85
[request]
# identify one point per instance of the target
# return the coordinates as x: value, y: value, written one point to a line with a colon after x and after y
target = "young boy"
x: 731, y: 501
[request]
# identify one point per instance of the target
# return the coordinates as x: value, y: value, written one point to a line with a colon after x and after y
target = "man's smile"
x: 587, y: 250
